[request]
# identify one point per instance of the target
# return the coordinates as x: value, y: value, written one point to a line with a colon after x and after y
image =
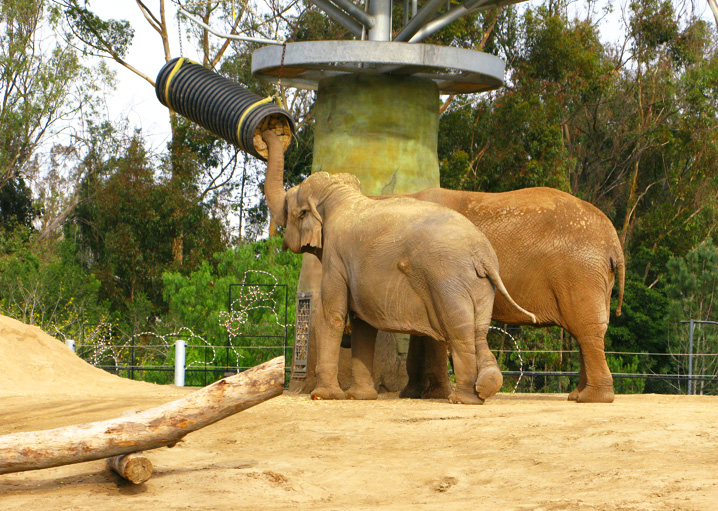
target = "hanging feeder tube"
x: 221, y: 106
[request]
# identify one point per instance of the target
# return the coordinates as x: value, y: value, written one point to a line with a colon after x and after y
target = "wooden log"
x: 157, y: 427
x: 135, y: 467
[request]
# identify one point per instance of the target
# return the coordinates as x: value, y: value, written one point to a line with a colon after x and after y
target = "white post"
x: 70, y: 343
x: 179, y: 362
x: 691, y: 384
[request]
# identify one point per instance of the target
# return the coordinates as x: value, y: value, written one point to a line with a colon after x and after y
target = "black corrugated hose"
x: 217, y: 104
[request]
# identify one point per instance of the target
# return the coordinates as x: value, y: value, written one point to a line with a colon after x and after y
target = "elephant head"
x: 297, y: 210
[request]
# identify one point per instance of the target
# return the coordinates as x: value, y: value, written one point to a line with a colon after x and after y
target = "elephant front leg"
x: 327, y: 362
x: 436, y: 372
x: 573, y: 396
x: 363, y: 343
x: 330, y: 328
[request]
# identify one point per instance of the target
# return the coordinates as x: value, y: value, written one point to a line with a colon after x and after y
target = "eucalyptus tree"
x: 43, y: 86
x: 202, y: 167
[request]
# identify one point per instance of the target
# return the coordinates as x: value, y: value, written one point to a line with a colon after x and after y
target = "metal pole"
x: 356, y: 11
x: 691, y: 385
x: 418, y: 20
x: 445, y: 19
x: 380, y: 10
x: 339, y: 16
x: 179, y: 362
x: 132, y: 358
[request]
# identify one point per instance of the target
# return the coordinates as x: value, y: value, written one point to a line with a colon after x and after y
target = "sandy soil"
x: 519, y: 452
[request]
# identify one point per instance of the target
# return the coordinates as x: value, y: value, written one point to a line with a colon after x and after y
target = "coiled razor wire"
x: 103, y: 344
x: 518, y: 352
x: 251, y: 298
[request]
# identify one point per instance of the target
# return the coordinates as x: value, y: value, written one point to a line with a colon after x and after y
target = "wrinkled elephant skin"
x: 379, y: 262
x: 558, y: 257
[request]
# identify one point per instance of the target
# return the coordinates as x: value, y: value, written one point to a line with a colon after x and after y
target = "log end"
x: 135, y: 467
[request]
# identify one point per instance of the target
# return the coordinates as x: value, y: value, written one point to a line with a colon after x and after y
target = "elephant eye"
x: 302, y: 213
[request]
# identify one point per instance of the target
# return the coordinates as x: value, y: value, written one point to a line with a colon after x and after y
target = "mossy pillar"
x: 383, y: 129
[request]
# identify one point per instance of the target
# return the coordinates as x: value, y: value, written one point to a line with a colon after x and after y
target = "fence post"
x: 179, y: 362
x: 691, y: 384
x: 70, y: 343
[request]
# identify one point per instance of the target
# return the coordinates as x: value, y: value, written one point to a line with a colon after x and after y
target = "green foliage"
x: 691, y: 287
x: 113, y: 36
x: 16, y: 207
x: 43, y: 85
x: 45, y: 286
x: 627, y: 365
x: 200, y: 300
x: 127, y: 224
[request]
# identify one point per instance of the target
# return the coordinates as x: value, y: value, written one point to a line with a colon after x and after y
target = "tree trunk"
x: 135, y: 467
x: 157, y: 427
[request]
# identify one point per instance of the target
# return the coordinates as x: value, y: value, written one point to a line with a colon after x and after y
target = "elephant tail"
x: 492, y: 272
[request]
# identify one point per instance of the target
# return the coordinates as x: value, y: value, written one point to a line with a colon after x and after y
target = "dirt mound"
x: 33, y: 362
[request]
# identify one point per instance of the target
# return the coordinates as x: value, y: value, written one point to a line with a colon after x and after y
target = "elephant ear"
x: 310, y: 228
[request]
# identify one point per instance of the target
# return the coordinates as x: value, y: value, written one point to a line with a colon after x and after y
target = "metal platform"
x: 454, y: 70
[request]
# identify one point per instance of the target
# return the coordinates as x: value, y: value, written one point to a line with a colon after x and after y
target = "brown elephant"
x: 559, y: 257
x: 379, y: 261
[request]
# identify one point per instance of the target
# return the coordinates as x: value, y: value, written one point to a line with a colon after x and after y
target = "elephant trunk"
x: 274, y: 180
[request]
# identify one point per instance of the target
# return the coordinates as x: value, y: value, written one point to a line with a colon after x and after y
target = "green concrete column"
x: 381, y: 128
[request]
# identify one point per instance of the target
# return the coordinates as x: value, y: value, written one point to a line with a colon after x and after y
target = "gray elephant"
x: 379, y: 260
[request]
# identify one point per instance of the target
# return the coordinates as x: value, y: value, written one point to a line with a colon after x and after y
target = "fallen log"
x: 135, y: 467
x: 157, y: 427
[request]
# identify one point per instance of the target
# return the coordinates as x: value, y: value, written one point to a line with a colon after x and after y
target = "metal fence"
x: 257, y: 330
x: 141, y: 356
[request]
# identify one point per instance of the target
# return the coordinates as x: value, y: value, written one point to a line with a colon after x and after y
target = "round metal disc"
x: 455, y: 70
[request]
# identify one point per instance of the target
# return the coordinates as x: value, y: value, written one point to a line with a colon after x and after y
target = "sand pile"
x: 33, y: 362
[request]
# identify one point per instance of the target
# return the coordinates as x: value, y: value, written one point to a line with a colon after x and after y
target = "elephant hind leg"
x: 436, y: 363
x: 595, y: 383
x: 464, y: 356
x: 427, y: 368
x: 415, y: 360
x: 489, y: 378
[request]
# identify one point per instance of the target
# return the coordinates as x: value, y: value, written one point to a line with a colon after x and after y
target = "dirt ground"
x: 517, y: 452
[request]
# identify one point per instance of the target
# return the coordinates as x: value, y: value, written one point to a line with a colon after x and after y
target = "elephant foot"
x: 324, y: 392
x: 412, y: 392
x: 465, y: 397
x: 489, y: 382
x: 436, y: 392
x: 595, y: 395
x: 362, y: 393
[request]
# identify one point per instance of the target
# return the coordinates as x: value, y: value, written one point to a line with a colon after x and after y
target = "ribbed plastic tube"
x: 221, y: 106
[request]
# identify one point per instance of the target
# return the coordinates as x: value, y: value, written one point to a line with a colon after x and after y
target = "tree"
x: 127, y: 220
x: 195, y: 158
x: 43, y: 86
x: 16, y: 207
x: 692, y: 286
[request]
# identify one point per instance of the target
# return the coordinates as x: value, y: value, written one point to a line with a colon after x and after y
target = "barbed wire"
x: 103, y: 344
